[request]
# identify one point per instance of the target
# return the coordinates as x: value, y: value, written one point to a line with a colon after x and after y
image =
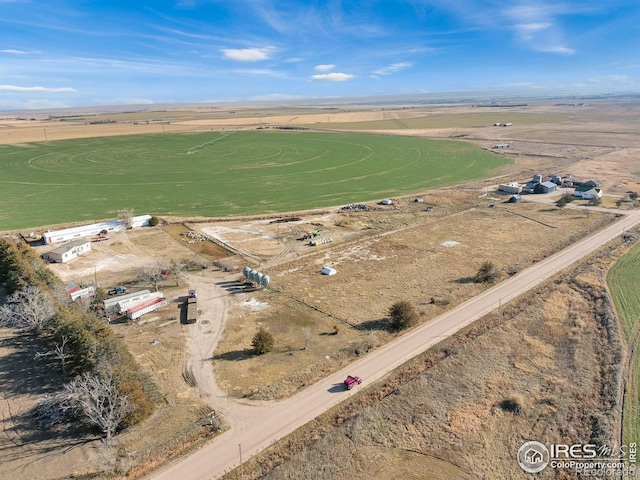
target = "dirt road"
x: 203, y: 337
x: 269, y: 423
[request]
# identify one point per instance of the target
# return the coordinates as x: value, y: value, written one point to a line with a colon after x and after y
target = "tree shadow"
x: 235, y: 355
x: 464, y: 280
x: 23, y: 430
x: 21, y: 373
x: 379, y: 324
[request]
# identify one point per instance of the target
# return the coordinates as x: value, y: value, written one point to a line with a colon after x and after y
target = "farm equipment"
x: 306, y: 236
x: 192, y: 307
x: 102, y: 236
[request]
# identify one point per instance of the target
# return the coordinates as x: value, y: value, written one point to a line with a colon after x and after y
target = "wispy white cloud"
x: 332, y: 77
x: 324, y: 68
x: 393, y: 68
x: 248, y: 54
x: 266, y: 72
x: 17, y: 88
x: 536, y: 25
x: 12, y: 51
x: 526, y: 31
x: 612, y: 79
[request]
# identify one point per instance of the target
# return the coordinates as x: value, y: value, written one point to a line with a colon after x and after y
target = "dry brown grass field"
x: 410, y: 256
x: 554, y: 354
x: 548, y: 351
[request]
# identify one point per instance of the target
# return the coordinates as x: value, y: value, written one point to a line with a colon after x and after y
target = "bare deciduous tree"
x: 126, y: 217
x: 306, y: 332
x: 60, y: 351
x: 96, y: 396
x: 30, y: 308
x: 153, y: 274
x: 175, y: 271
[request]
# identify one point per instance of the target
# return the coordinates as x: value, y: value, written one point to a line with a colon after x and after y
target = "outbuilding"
x: 511, y: 187
x: 81, y: 232
x: 69, y: 251
x: 328, y: 270
x: 140, y: 221
x: 548, y: 187
x: 84, y: 231
x: 112, y: 305
x: 587, y: 193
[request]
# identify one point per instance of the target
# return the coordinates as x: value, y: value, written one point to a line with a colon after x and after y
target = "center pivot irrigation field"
x: 220, y: 174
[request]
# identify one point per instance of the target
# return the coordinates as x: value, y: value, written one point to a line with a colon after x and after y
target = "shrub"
x: 262, y: 341
x: 514, y: 268
x: 488, y: 273
x: 512, y: 404
x: 402, y: 315
x: 153, y: 221
x: 564, y: 200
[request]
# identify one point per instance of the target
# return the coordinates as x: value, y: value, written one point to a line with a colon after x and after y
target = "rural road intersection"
x: 266, y: 424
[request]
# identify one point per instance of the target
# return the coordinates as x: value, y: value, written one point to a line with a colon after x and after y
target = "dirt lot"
x: 542, y: 372
x: 381, y: 257
x: 414, y: 256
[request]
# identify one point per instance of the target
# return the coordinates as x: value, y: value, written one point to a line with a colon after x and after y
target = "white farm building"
x: 83, y: 231
x: 512, y: 187
x: 69, y: 251
x: 113, y: 305
x: 587, y: 193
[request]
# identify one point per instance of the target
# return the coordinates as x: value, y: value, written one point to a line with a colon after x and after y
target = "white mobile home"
x: 140, y: 221
x: 512, y: 187
x: 126, y: 304
x: 111, y: 305
x: 146, y: 307
x: 69, y: 251
x: 81, y: 231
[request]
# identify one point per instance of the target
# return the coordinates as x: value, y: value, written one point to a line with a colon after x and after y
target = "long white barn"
x: 82, y: 231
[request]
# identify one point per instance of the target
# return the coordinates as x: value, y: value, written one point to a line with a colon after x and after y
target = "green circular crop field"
x: 221, y: 173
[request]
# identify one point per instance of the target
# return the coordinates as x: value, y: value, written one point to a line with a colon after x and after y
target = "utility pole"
x: 241, y: 471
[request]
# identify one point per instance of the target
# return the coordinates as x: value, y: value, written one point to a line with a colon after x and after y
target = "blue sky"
x: 56, y: 53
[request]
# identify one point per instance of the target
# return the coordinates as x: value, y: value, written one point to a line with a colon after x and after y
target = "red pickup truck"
x: 352, y: 381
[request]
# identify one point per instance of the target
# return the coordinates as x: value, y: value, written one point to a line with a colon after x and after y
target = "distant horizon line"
x: 414, y: 98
